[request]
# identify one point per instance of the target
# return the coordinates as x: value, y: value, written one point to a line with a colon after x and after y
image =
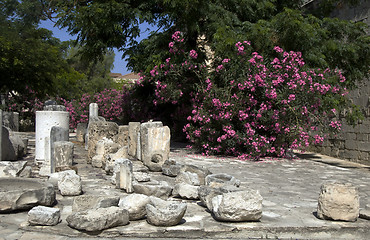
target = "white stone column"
x: 45, y: 120
x: 93, y: 112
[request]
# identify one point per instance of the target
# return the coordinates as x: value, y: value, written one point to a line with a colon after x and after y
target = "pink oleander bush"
x: 252, y: 107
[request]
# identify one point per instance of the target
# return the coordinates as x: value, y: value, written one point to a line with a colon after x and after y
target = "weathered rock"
x: 12, y: 169
x: 156, y: 189
x: 20, y: 194
x: 10, y: 120
x: 111, y: 158
x: 188, y: 178
x: 155, y: 147
x: 238, y: 206
x: 141, y: 177
x: 7, y: 153
x: 104, y: 147
x: 41, y: 215
x: 135, y: 204
x: 133, y: 138
x: 96, y: 131
x: 200, y: 171
x: 338, y: 201
x: 122, y: 136
x: 125, y: 179
x: 18, y: 145
x: 86, y: 202
x: 164, y: 213
x: 206, y: 194
x: 81, y: 132
x: 144, y: 128
x: 171, y: 168
x: 98, y: 219
x: 185, y: 191
x: 220, y: 180
x: 63, y: 153
x: 69, y: 184
x: 55, y: 177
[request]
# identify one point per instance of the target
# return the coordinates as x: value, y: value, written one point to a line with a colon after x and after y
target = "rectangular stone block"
x: 133, y: 138
x: 126, y: 176
x: 144, y: 131
x: 81, y: 131
x: 63, y: 153
x: 351, y: 144
x: 122, y: 136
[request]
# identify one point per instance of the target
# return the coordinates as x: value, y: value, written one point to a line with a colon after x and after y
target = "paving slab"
x: 290, y: 190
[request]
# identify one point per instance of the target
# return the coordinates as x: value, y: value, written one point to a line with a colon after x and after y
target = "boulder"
x: 220, y: 180
x: 85, y: 202
x: 338, y: 201
x: 8, y: 152
x: 135, y: 205
x: 188, y: 178
x: 153, y: 188
x: 55, y: 177
x: 206, y: 194
x: 185, y: 191
x: 21, y: 193
x: 98, y: 219
x: 46, y: 216
x: 70, y: 184
x: 164, y: 213
x: 171, y: 168
x: 238, y: 206
x: 141, y: 177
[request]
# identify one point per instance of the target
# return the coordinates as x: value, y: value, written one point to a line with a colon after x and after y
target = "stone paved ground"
x: 290, y: 189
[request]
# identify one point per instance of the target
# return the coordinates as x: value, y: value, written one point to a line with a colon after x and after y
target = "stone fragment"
x: 17, y: 144
x: 153, y: 188
x: 21, y: 193
x: 206, y: 194
x: 164, y: 213
x: 104, y: 147
x: 86, y: 202
x: 156, y: 147
x: 185, y: 191
x: 141, y: 177
x: 135, y: 204
x: 338, y: 201
x: 12, y: 169
x: 55, y: 177
x: 122, y: 136
x: 98, y: 130
x: 70, y: 184
x: 81, y: 132
x: 239, y: 206
x: 59, y: 134
x: 98, y: 219
x: 54, y: 107
x: 46, y: 216
x: 144, y: 131
x: 220, y: 180
x: 188, y: 178
x: 7, y: 153
x: 171, y: 168
x: 126, y: 176
x: 202, y: 172
x: 63, y: 154
x: 111, y: 158
x: 11, y: 120
x: 133, y: 138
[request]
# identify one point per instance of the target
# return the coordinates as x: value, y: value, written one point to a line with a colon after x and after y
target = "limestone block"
x: 55, y: 177
x: 122, y: 136
x: 200, y: 171
x: 81, y: 132
x: 135, y: 204
x: 86, y: 202
x: 117, y: 171
x: 171, y: 168
x: 156, y: 147
x: 164, y: 213
x: 153, y: 188
x: 18, y: 145
x: 133, y: 138
x: 21, y: 193
x: 144, y: 131
x: 46, y: 216
x: 97, y: 161
x: 188, y: 178
x: 70, y: 184
x: 141, y: 177
x: 111, y: 158
x: 126, y: 176
x: 63, y: 153
x: 98, y: 130
x: 54, y: 108
x: 185, y: 191
x: 12, y: 169
x: 98, y: 219
x: 11, y: 120
x: 206, y: 194
x: 104, y: 147
x: 221, y: 179
x: 238, y: 206
x: 338, y: 201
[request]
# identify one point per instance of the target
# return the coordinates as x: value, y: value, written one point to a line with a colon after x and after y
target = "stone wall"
x: 353, y: 143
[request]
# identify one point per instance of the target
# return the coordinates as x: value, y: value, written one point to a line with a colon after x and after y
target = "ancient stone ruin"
x: 132, y: 156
